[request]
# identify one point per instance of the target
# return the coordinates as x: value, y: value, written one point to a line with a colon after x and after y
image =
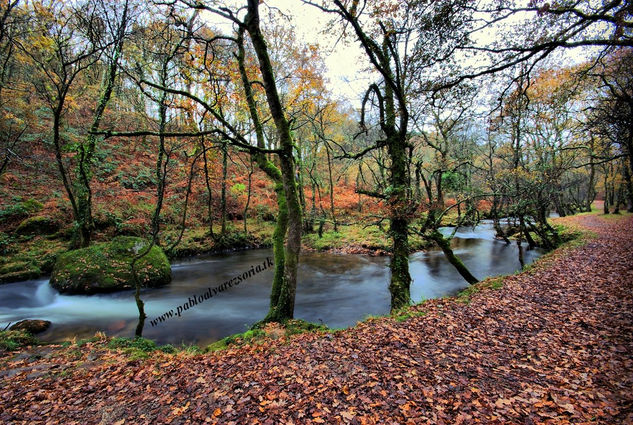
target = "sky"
x: 344, y: 61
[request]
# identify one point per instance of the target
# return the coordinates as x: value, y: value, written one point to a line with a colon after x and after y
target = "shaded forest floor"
x: 552, y: 345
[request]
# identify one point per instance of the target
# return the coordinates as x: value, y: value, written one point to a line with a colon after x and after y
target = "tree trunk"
x: 605, y: 207
x: 445, y: 245
x: 526, y: 233
x: 282, y: 306
x: 520, y: 248
x: 57, y: 143
x: 208, y: 186
x: 619, y: 198
x: 300, y: 185
x: 591, y: 185
x: 629, y: 186
x: 225, y: 166
x: 82, y: 186
x: 331, y: 181
x: 400, y: 283
x: 251, y: 170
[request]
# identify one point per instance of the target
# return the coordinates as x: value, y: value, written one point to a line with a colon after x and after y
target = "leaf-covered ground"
x: 553, y: 346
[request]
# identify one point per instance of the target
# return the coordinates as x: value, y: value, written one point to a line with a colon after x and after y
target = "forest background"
x: 121, y: 118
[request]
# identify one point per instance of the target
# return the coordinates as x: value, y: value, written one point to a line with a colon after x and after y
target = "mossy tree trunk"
x: 331, y: 182
x: 389, y: 97
x: 249, y: 193
x: 605, y: 206
x: 445, y: 246
x: 287, y: 234
x: 282, y: 308
x: 225, y: 165
x: 399, y: 219
x: 629, y: 186
x: 207, y: 183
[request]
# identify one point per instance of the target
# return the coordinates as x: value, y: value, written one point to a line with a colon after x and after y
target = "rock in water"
x: 31, y: 326
x: 106, y: 267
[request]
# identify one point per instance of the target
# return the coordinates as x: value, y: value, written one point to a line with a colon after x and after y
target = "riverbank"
x: 32, y: 256
x: 549, y: 345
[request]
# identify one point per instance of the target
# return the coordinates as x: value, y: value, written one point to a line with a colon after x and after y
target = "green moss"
x: 6, y: 244
x: 143, y: 344
x: 39, y: 225
x: 262, y: 331
x: 197, y: 240
x: 21, y: 275
x: 405, y: 313
x: 29, y: 259
x: 106, y: 267
x: 328, y: 240
x: 141, y: 348
x: 85, y: 341
x: 169, y: 349
x: 360, y: 236
x: 490, y: 283
x: 20, y: 209
x: 13, y: 340
x: 14, y: 267
x: 298, y: 326
x: 236, y: 339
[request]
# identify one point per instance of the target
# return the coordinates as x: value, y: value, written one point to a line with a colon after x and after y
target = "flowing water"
x: 336, y: 290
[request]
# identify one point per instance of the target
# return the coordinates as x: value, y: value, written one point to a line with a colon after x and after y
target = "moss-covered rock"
x: 39, y: 225
x: 20, y: 208
x: 19, y: 276
x: 31, y: 326
x: 105, y: 267
x: 18, y: 271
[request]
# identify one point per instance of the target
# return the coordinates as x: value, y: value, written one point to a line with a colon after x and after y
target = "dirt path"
x: 554, y: 345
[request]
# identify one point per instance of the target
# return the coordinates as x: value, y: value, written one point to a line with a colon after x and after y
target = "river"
x: 336, y: 290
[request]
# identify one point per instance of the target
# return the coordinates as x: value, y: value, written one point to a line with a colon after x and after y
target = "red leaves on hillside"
x: 553, y: 346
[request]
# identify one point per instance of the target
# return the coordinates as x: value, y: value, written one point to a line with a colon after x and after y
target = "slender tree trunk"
x: 183, y: 219
x: 300, y: 185
x: 495, y: 221
x: 526, y: 233
x: 248, y: 196
x: 57, y: 143
x: 445, y: 245
x: 225, y: 165
x: 360, y: 200
x: 520, y: 248
x: 591, y: 185
x: 82, y: 184
x: 619, y: 198
x: 605, y: 207
x: 331, y: 181
x: 162, y: 161
x: 313, y: 208
x: 612, y: 192
x: 440, y: 193
x: 629, y: 186
x: 209, y: 191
